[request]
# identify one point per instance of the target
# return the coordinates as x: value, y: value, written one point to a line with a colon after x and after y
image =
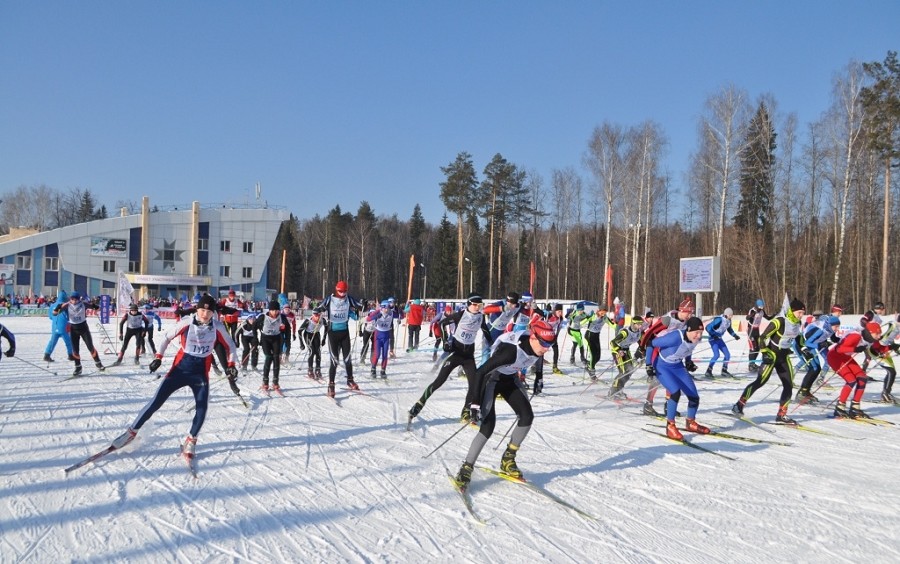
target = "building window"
x: 23, y: 262
x: 202, y: 270
x: 134, y: 266
x: 51, y: 263
x: 248, y: 246
x: 202, y: 244
x: 225, y: 246
x: 109, y: 266
x: 247, y: 272
x: 225, y: 271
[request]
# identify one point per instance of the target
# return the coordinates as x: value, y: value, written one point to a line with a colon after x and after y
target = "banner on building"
x: 103, y: 247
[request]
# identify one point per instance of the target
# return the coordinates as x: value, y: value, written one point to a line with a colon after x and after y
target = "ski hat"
x: 474, y: 299
x: 340, y: 288
x: 513, y: 297
x: 797, y: 305
x: 527, y: 297
x: 74, y: 296
x: 557, y: 307
x: 637, y: 319
x: 836, y: 308
x: 417, y: 301
x: 544, y: 333
x: 694, y: 324
x: 448, y: 308
x: 385, y: 303
x: 833, y: 320
x: 728, y: 312
x: 133, y: 307
x: 760, y: 303
x: 579, y: 305
x: 230, y: 292
x: 649, y: 314
x: 878, y: 305
x: 274, y: 305
x: 873, y: 329
x: 207, y: 302
x: 62, y: 296
x: 686, y: 305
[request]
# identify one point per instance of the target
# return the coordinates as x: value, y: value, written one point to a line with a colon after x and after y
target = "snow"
x: 309, y: 479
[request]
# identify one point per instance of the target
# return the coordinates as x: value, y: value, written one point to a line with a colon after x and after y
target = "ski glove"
x: 689, y: 364
x: 860, y: 348
x: 651, y: 372
x: 231, y: 372
x: 155, y: 364
x: 538, y: 386
x: 11, y: 351
x: 234, y: 386
x: 448, y: 347
x: 640, y: 353
x: 475, y: 414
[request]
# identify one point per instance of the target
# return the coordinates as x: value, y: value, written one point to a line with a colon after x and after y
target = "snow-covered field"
x: 309, y: 479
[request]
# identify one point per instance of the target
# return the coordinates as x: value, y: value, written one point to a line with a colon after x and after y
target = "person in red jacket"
x: 840, y: 359
x: 415, y: 313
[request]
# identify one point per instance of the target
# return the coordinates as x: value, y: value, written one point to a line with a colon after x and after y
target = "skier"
x: 151, y: 316
x: 290, y: 333
x: 872, y: 315
x: 461, y: 346
x: 574, y: 320
x: 10, y: 340
x: 382, y: 321
x: 555, y: 320
x: 888, y: 339
x: 716, y: 328
x: 625, y: 364
x: 59, y: 328
x: 840, y: 359
x: 76, y: 308
x: 249, y: 344
x: 415, y: 313
x: 672, y: 321
x: 499, y: 314
x: 273, y: 327
x: 674, y: 347
x: 754, y: 319
x: 311, y: 337
x: 135, y: 321
x: 593, y: 325
x: 817, y: 337
x: 776, y: 342
x: 339, y: 308
x: 232, y: 316
x: 197, y: 334
x: 512, y: 353
x: 436, y: 332
x: 365, y: 330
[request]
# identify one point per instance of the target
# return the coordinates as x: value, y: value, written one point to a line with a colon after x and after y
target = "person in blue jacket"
x: 59, y: 328
x: 716, y: 328
x: 674, y: 347
x: 148, y: 330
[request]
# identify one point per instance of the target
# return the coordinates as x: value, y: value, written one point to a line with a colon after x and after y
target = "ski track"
x: 299, y: 478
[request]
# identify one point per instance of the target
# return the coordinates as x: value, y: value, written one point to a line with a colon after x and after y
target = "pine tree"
x: 757, y: 174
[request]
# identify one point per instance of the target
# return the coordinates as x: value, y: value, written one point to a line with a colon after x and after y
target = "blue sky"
x: 336, y: 102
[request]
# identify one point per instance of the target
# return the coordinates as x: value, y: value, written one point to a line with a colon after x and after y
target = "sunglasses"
x: 543, y: 343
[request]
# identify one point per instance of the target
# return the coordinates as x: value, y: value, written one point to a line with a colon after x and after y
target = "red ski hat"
x: 686, y: 305
x: 874, y: 329
x: 544, y: 333
x: 340, y: 289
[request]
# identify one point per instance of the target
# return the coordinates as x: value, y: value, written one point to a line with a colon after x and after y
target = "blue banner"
x: 105, y: 306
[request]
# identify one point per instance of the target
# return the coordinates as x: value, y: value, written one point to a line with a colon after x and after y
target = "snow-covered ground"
x: 309, y: 479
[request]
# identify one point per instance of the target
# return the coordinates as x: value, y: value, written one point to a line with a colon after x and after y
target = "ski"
x: 92, y: 458
x: 745, y: 420
x: 690, y: 444
x: 806, y: 428
x: 191, y: 462
x: 466, y: 498
x: 278, y: 392
x: 867, y: 420
x: 736, y: 437
x: 538, y: 490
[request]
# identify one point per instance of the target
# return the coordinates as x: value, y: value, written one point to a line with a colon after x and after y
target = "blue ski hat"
x: 385, y: 303
x: 833, y: 320
x: 760, y: 303
x: 62, y: 297
x: 74, y: 296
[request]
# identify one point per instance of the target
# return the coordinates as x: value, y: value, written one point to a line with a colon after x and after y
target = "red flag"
x: 609, y: 285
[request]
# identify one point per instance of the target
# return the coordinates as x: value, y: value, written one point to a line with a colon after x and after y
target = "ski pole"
x: 458, y: 431
x: 511, y: 426
x: 37, y: 366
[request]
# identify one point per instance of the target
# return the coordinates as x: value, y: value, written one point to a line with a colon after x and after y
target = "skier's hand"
x: 121, y: 336
x: 11, y: 351
x: 234, y: 386
x: 155, y: 364
x: 475, y: 413
x: 295, y: 336
x: 651, y: 372
x: 538, y: 386
x: 860, y: 348
x: 639, y: 354
x: 231, y: 372
x: 689, y: 364
x: 447, y: 346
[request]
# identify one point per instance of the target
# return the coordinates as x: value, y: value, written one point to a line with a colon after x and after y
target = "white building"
x: 173, y: 252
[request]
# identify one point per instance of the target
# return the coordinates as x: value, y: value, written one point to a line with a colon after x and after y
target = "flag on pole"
x: 124, y: 292
x: 785, y: 305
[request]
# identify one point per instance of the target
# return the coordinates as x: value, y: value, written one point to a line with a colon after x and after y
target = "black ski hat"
x: 207, y: 302
x: 797, y: 305
x: 274, y: 305
x: 474, y: 298
x: 694, y: 324
x: 513, y: 297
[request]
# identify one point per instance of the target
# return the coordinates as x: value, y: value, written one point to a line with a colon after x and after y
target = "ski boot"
x: 137, y: 361
x: 508, y: 462
x: 189, y: 447
x: 264, y: 388
x: 694, y: 427
x: 47, y: 357
x: 415, y: 409
x: 557, y: 371
x: 617, y: 395
x: 352, y: 385
x: 318, y: 374
x: 277, y: 389
x: 804, y: 396
x: 726, y: 373
x: 738, y: 408
x: 752, y: 367
x: 709, y: 375
x: 592, y: 373
x: 840, y: 412
x: 886, y: 397
x: 783, y: 418
x: 648, y: 410
x: 124, y: 438
x: 672, y: 431
x: 383, y: 373
x: 465, y: 416
x: 464, y: 476
x: 857, y: 413
x: 78, y: 370
x: 99, y: 365
x: 330, y: 392
x: 118, y: 361
x: 373, y: 372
